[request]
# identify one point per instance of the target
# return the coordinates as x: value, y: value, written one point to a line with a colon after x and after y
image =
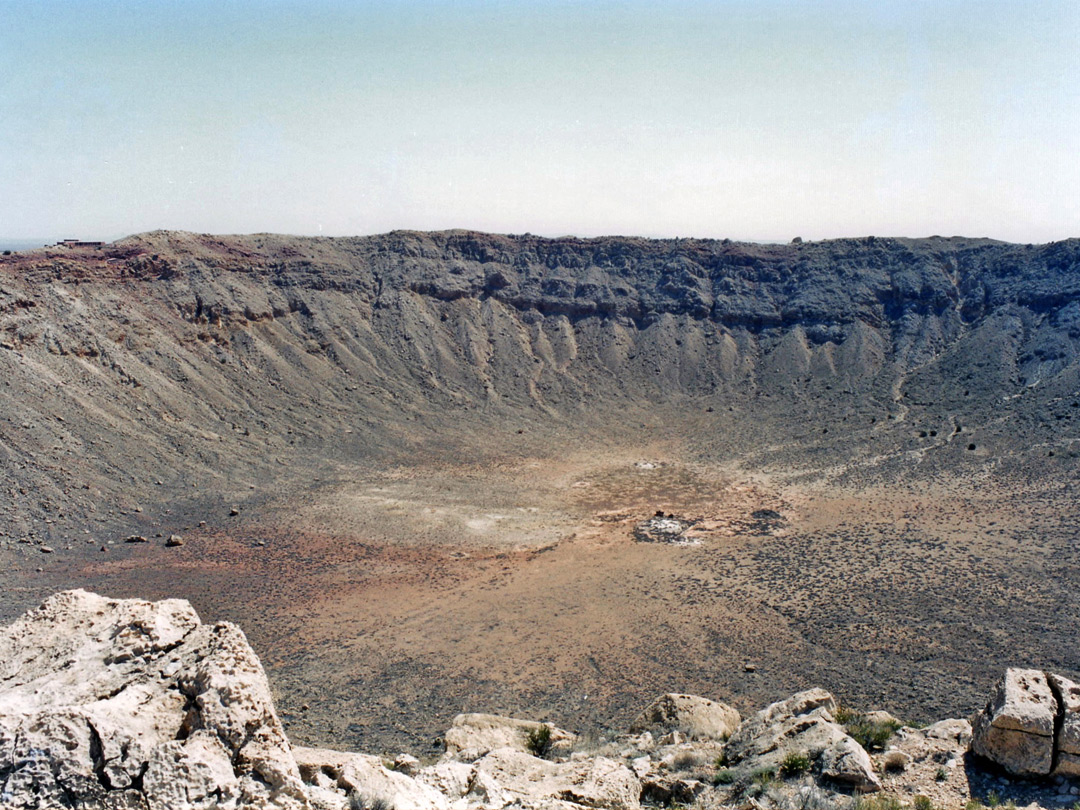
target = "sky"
x: 745, y: 119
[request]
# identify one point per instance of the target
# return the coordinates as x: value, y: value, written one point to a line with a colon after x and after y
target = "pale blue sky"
x: 758, y: 119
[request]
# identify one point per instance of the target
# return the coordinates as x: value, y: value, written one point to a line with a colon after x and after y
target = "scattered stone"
x: 406, y: 764
x: 45, y: 549
x: 126, y: 704
x: 667, y: 789
x: 174, y: 540
x: 234, y: 511
x: 882, y: 718
x: 957, y: 731
x: 673, y: 738
x: 136, y: 538
x: 846, y: 761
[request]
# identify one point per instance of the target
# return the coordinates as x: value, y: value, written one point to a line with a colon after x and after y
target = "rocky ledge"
x: 118, y: 704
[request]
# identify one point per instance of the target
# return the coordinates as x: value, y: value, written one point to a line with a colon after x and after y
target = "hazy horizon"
x: 758, y: 120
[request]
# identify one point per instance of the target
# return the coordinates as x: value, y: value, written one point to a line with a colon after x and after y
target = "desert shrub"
x: 539, y: 741
x: 726, y: 776
x: 923, y: 803
x: 794, y: 764
x: 973, y: 804
x: 880, y: 801
x: 810, y: 797
x: 762, y: 777
x: 721, y: 760
x: 869, y: 734
x: 941, y: 775
x: 362, y: 801
x: 686, y: 761
x: 992, y: 799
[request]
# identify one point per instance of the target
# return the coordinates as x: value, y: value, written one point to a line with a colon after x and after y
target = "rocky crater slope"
x: 130, y: 704
x: 181, y: 358
x: 412, y: 465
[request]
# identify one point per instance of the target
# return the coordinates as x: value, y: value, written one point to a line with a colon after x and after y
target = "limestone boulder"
x: 697, y: 717
x: 1016, y: 728
x: 802, y: 724
x: 127, y: 703
x: 1068, y: 738
x: 508, y: 776
x: 846, y: 761
x: 450, y: 778
x: 471, y: 736
x: 367, y: 778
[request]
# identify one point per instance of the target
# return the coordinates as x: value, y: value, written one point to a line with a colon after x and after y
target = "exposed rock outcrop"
x: 506, y: 776
x: 698, y: 717
x: 802, y: 724
x: 126, y: 703
x: 1016, y: 729
x: 132, y: 705
x: 473, y: 735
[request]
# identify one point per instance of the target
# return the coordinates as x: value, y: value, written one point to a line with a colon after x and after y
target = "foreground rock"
x: 132, y: 704
x: 1016, y: 730
x: 473, y: 735
x: 697, y: 717
x: 367, y: 778
x: 507, y: 776
x: 802, y: 725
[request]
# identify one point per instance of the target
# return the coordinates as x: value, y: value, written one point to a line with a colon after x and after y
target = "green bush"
x: 942, y: 774
x: 763, y: 777
x: 880, y: 801
x: 867, y: 733
x: 923, y: 803
x: 725, y: 777
x: 794, y: 764
x: 539, y: 741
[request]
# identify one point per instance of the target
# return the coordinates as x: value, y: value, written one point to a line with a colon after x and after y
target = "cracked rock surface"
x: 1031, y: 726
x: 134, y: 704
